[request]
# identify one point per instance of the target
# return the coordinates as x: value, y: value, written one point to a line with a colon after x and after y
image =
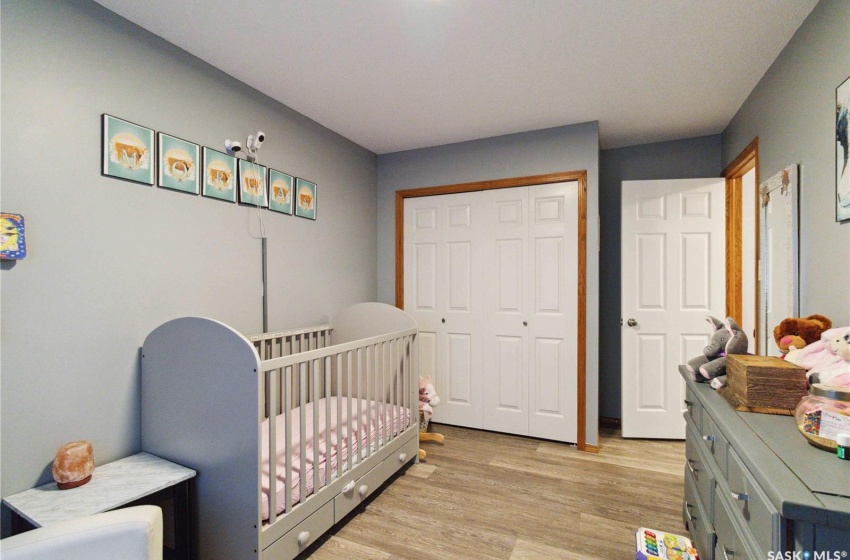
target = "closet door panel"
x: 459, y: 280
x: 422, y: 257
x: 552, y: 323
x: 506, y: 310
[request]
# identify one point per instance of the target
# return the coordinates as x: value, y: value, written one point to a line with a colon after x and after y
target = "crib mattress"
x: 333, y: 440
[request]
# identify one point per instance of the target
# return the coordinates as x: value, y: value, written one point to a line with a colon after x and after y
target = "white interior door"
x: 673, y: 275
x: 423, y: 251
x: 460, y: 336
x: 506, y: 311
x: 552, y: 319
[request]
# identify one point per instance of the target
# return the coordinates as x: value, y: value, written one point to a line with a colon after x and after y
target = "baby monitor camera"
x: 232, y: 146
x: 254, y: 142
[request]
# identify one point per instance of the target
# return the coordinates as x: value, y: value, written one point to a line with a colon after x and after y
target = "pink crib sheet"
x: 367, y: 423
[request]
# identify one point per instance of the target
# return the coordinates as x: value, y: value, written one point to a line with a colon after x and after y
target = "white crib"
x: 223, y: 404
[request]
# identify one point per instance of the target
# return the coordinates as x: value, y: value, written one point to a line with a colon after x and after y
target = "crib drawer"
x: 303, y: 535
x: 357, y: 491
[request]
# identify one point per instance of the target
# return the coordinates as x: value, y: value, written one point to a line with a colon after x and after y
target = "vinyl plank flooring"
x: 488, y: 495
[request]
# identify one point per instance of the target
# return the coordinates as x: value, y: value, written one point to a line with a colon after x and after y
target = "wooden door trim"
x: 734, y: 172
x: 581, y: 178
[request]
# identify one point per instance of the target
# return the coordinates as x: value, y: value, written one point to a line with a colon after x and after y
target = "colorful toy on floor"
x: 652, y: 544
x: 427, y: 400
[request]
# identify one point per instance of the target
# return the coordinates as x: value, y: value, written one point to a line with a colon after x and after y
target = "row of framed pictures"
x: 129, y: 153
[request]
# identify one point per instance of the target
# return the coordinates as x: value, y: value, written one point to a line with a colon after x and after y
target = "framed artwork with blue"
x: 280, y: 191
x: 127, y: 151
x: 252, y: 184
x: 13, y: 244
x: 219, y: 175
x: 305, y: 199
x: 842, y: 150
x: 178, y: 164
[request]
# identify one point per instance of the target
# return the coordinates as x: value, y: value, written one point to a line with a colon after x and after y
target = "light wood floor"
x: 486, y: 495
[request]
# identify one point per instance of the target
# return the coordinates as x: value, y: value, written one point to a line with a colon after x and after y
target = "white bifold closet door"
x: 491, y: 278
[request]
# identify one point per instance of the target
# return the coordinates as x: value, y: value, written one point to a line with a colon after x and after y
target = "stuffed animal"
x: 796, y: 332
x: 727, y: 338
x: 427, y: 397
x: 838, y: 345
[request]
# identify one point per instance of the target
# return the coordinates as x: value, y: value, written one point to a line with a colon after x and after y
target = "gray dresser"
x: 754, y: 486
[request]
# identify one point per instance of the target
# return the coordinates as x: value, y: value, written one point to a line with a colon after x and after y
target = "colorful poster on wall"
x: 178, y: 164
x: 219, y: 175
x: 305, y: 199
x: 13, y: 245
x: 127, y: 151
x: 280, y: 191
x: 252, y: 184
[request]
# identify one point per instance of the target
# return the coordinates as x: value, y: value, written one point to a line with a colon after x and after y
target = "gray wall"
x: 792, y: 112
x: 680, y: 159
x: 110, y: 260
x: 568, y: 148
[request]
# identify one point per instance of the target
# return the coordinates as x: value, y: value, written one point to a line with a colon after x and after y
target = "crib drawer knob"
x: 303, y: 538
x: 363, y: 490
x: 402, y: 457
x: 348, y: 487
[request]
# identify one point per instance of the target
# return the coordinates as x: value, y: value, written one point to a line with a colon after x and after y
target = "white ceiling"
x: 395, y: 75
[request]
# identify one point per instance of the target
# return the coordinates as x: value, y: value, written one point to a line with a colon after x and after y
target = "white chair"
x: 126, y: 534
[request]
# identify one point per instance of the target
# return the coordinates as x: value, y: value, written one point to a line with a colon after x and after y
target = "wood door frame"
x: 581, y: 178
x: 734, y: 173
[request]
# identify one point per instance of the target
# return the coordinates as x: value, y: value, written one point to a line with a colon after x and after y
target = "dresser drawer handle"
x: 688, y: 511
x: 727, y: 552
x: 303, y: 538
x: 688, y: 403
x: 691, y: 467
x: 709, y: 438
x: 741, y: 496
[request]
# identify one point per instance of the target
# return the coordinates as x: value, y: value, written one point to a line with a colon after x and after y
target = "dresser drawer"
x: 697, y: 520
x: 693, y: 409
x: 731, y: 543
x: 303, y: 535
x: 696, y: 467
x: 715, y: 443
x: 745, y: 496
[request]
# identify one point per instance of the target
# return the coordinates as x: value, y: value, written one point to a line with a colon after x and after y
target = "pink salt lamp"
x: 73, y: 465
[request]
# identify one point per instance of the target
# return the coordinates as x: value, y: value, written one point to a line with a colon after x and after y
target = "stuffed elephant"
x: 726, y: 339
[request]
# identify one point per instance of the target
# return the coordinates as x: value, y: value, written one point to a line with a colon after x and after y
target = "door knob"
x: 631, y: 322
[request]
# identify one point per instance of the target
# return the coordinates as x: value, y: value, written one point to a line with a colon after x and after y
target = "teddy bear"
x: 796, y: 332
x: 727, y: 338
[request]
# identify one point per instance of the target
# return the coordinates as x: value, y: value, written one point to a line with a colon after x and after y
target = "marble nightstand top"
x: 112, y: 485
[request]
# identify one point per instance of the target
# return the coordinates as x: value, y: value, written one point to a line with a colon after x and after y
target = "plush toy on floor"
x: 427, y: 400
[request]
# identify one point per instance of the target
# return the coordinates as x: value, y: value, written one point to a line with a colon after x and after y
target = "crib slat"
x: 316, y: 373
x: 302, y: 417
x: 271, y: 381
x: 329, y: 443
x: 287, y: 410
x: 339, y: 441
x: 353, y: 425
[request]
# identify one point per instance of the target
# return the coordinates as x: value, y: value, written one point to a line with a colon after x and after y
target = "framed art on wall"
x: 219, y: 176
x: 178, y: 164
x: 305, y: 199
x: 252, y: 184
x: 280, y: 191
x: 127, y: 150
x: 842, y: 169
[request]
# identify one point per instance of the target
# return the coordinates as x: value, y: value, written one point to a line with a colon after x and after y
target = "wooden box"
x: 764, y: 384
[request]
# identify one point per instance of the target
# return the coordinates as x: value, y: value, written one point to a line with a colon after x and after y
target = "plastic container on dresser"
x: 754, y: 487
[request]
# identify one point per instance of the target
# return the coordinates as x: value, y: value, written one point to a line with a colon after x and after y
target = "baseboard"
x: 590, y: 448
x: 610, y: 423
